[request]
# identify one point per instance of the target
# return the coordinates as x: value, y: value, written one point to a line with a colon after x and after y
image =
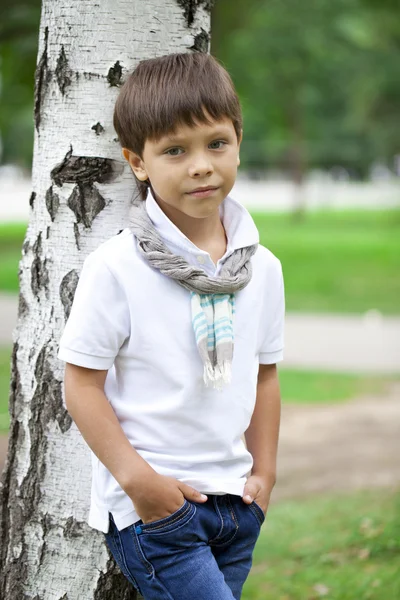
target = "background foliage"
x: 317, y: 80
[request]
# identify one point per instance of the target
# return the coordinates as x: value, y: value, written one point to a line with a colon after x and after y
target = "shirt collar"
x: 240, y: 228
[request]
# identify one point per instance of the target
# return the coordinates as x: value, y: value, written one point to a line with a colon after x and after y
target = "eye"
x: 173, y: 151
x: 218, y: 142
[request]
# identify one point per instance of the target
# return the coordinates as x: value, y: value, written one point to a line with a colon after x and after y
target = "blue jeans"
x: 202, y: 550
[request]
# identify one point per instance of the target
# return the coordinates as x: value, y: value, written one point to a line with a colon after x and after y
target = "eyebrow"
x: 220, y: 132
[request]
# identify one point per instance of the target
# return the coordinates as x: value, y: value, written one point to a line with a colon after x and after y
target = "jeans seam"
x: 261, y: 511
x: 128, y: 570
x: 255, y: 513
x: 147, y: 564
x: 217, y: 537
x: 146, y: 527
x: 229, y: 540
x: 120, y: 555
x: 233, y: 514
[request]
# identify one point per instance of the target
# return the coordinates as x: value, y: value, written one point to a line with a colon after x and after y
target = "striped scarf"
x: 212, y: 298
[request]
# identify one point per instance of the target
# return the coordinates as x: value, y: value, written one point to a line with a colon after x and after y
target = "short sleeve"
x: 273, y: 320
x: 99, y: 322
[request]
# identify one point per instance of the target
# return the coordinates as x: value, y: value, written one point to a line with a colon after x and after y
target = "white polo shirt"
x: 130, y: 319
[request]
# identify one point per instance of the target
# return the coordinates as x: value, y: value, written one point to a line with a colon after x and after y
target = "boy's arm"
x: 262, y: 435
x: 154, y: 496
x: 95, y: 418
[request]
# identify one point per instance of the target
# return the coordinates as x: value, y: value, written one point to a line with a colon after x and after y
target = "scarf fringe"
x: 217, y: 376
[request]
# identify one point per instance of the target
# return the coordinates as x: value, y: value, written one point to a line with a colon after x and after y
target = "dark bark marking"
x: 77, y: 236
x: 88, y: 75
x: 74, y: 528
x: 86, y: 170
x: 32, y: 199
x: 42, y: 80
x: 114, y: 75
x: 190, y: 8
x: 23, y: 307
x: 98, y: 128
x: 201, y: 42
x: 112, y: 584
x: 46, y: 406
x: 86, y: 201
x: 47, y: 233
x: 39, y: 273
x: 67, y: 290
x: 26, y: 246
x: 37, y: 246
x: 52, y: 203
x: 13, y: 570
x: 63, y: 72
x: 59, y: 169
x: 46, y: 524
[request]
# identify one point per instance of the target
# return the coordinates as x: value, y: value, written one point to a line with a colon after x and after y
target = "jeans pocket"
x: 170, y: 523
x: 257, y: 512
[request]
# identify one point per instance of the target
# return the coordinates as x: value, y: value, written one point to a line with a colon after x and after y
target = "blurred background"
x: 320, y: 165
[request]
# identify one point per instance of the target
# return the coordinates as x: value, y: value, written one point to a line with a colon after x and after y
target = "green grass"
x: 333, y: 261
x: 310, y: 387
x: 338, y: 547
x: 337, y: 261
x: 11, y: 240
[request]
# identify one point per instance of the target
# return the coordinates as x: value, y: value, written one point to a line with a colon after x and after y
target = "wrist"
x: 132, y: 482
x: 268, y: 477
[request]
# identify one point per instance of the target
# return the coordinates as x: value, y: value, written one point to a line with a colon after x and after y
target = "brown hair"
x: 164, y: 92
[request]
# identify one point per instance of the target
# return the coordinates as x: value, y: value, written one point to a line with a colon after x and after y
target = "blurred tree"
x: 19, y: 25
x: 376, y: 93
x: 316, y: 80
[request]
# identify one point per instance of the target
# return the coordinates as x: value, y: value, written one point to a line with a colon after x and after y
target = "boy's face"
x: 191, y: 158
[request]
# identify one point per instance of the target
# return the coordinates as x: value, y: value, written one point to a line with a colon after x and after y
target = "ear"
x: 136, y: 163
x: 239, y: 142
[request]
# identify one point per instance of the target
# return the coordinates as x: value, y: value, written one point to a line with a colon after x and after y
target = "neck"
x: 204, y: 232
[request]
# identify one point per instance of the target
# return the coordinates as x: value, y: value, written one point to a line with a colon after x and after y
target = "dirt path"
x: 339, y: 447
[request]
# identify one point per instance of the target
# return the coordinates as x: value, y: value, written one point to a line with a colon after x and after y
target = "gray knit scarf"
x: 212, y: 297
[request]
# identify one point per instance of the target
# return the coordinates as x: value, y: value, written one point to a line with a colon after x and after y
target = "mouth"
x: 203, y: 192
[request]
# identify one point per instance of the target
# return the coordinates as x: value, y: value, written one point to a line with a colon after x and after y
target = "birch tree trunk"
x: 81, y: 190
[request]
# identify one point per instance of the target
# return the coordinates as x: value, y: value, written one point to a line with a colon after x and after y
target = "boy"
x: 152, y: 380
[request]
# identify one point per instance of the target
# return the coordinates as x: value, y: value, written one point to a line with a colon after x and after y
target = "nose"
x: 201, y: 166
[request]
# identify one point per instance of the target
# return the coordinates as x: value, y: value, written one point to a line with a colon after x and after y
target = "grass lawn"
x: 344, y: 547
x: 333, y: 261
x: 309, y: 387
x: 337, y: 261
x: 296, y: 386
x: 11, y: 240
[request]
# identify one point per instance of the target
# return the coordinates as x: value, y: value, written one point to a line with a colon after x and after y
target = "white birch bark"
x: 81, y: 193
